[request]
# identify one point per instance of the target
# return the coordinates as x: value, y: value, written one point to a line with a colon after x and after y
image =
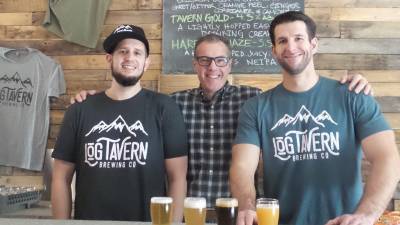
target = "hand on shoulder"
x: 81, y: 96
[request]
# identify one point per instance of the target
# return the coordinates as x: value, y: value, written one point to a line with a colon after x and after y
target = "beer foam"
x: 161, y: 200
x: 192, y: 202
x: 267, y: 206
x: 226, y: 202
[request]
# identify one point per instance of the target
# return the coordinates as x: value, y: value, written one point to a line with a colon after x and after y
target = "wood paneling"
x: 11, y: 32
x: 393, y: 119
x: 123, y: 5
x: 138, y: 17
x: 359, y: 46
x: 397, y: 135
x: 2, y: 31
x: 150, y: 4
x: 382, y: 76
x: 389, y: 104
x: 328, y: 29
x: 352, y: 3
x: 172, y: 83
x: 61, y: 47
x: 369, y: 29
x: 319, y: 14
x: 386, y: 89
x: 28, y: 32
x: 365, y: 14
x: 22, y: 5
x: 84, y: 75
x: 15, y: 18
x: 357, y: 62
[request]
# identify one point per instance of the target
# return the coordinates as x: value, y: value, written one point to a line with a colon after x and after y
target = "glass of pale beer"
x: 227, y: 211
x: 267, y: 211
x: 195, y: 211
x: 161, y: 210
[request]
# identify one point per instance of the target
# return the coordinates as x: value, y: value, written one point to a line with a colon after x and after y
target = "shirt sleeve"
x: 57, y: 82
x: 173, y: 130
x: 247, y: 130
x: 67, y: 142
x: 368, y: 116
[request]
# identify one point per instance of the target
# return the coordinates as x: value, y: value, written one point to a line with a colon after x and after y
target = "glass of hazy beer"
x: 227, y: 210
x: 267, y: 211
x: 161, y: 210
x: 195, y: 211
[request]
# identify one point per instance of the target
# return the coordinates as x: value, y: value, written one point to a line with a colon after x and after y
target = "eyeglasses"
x: 220, y: 61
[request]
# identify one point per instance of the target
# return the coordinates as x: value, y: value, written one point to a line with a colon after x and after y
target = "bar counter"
x: 15, y: 221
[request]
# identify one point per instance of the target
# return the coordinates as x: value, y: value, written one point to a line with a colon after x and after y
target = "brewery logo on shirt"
x: 15, y: 91
x: 306, y: 136
x: 128, y: 150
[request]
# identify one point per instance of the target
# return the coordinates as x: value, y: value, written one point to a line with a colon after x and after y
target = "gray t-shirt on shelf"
x: 27, y: 79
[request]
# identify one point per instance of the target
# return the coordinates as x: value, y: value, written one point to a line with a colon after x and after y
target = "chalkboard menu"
x: 244, y: 22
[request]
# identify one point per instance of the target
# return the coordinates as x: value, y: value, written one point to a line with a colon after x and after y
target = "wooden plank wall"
x: 355, y: 36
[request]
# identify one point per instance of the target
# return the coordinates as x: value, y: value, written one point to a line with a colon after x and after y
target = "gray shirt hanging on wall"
x: 27, y: 79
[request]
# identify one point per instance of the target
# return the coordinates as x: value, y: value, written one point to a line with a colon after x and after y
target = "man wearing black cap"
x: 118, y: 144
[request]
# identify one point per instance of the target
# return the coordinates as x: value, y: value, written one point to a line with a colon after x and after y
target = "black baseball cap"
x: 123, y: 32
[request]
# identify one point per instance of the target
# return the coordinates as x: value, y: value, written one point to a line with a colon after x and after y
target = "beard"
x: 124, y: 80
x: 294, y: 70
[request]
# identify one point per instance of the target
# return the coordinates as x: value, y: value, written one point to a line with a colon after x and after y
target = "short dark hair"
x: 292, y: 16
x: 212, y: 38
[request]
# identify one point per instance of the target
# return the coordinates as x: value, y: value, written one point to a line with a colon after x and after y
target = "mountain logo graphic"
x: 304, y: 115
x: 16, y: 78
x: 118, y: 124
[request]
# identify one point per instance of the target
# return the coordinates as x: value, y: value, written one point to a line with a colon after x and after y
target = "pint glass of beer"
x: 161, y: 210
x: 195, y: 211
x: 227, y: 210
x: 267, y: 211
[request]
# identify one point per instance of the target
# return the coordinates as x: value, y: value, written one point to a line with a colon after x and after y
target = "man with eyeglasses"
x: 210, y: 113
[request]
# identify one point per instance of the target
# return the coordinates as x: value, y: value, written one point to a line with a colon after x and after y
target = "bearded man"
x: 119, y: 143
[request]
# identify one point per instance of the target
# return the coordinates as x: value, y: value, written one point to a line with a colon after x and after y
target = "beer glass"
x: 227, y: 210
x: 161, y: 210
x: 195, y: 211
x: 267, y: 211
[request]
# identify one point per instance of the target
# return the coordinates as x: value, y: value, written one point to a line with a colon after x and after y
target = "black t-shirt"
x: 119, y: 148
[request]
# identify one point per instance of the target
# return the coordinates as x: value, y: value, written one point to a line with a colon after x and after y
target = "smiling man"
x: 210, y: 114
x: 119, y: 143
x: 312, y: 133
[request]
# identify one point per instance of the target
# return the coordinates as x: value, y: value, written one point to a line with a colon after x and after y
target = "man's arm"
x: 176, y: 173
x: 381, y: 151
x: 61, y: 201
x: 241, y: 176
